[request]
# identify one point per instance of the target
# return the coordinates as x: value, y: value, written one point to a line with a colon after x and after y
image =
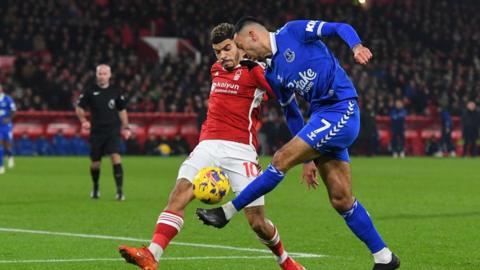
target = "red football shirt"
x: 234, y: 104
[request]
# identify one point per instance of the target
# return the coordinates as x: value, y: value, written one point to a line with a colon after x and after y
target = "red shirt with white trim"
x: 234, y: 104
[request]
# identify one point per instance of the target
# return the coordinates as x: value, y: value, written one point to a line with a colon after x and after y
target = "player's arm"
x: 293, y: 115
x: 313, y: 30
x: 80, y: 110
x: 258, y: 73
x: 346, y: 32
x: 121, y: 105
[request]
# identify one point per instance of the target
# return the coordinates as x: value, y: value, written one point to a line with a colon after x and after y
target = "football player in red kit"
x: 228, y: 140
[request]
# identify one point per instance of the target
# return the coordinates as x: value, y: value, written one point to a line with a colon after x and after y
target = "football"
x: 210, y: 185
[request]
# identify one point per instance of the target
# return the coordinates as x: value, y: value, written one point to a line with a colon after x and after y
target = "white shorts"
x: 239, y: 161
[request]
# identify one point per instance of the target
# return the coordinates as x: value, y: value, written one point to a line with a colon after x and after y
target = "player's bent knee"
x: 181, y: 196
x: 257, y: 223
x: 281, y: 160
x: 341, y: 203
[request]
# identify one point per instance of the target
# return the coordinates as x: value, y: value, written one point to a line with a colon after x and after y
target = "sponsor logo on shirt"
x: 310, y: 26
x: 96, y: 93
x: 289, y: 55
x: 225, y: 87
x: 305, y: 83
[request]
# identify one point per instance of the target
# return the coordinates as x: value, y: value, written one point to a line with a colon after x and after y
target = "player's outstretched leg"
x: 294, y: 152
x: 337, y: 178
x: 169, y: 224
x: 268, y: 234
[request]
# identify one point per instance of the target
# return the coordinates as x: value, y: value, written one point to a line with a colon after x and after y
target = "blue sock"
x: 361, y: 225
x: 1, y: 156
x: 260, y: 186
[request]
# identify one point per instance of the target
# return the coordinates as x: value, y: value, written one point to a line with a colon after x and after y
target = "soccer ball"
x: 210, y: 185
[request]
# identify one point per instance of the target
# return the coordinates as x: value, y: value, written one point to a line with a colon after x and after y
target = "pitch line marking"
x: 108, y: 237
x: 120, y: 259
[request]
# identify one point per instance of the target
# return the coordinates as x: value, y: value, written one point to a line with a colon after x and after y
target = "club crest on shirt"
x: 111, y: 104
x: 289, y: 55
x: 238, y: 73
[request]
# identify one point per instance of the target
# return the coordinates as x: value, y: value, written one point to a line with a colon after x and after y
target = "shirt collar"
x: 273, y: 45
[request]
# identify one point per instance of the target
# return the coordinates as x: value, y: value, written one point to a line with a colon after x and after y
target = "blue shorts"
x: 6, y: 133
x: 332, y: 129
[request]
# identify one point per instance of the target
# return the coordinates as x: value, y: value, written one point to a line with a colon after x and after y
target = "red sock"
x: 275, y: 245
x: 168, y: 225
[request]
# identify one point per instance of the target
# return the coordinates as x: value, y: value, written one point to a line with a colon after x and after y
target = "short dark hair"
x: 222, y: 32
x: 244, y: 21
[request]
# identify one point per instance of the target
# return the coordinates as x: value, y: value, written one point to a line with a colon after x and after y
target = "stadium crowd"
x: 425, y: 52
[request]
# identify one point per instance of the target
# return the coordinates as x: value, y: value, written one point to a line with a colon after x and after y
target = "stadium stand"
x: 417, y: 59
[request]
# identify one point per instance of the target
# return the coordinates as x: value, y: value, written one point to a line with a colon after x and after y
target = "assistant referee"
x: 109, y: 121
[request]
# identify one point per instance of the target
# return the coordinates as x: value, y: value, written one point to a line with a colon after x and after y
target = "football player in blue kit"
x: 298, y: 62
x: 7, y: 110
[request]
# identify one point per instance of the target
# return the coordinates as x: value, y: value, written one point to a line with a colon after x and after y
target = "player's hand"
x: 362, y: 54
x: 309, y: 175
x: 86, y: 125
x: 126, y: 133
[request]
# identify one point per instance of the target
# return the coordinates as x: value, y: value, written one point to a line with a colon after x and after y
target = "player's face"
x: 398, y: 104
x: 103, y: 75
x: 227, y: 54
x: 248, y: 42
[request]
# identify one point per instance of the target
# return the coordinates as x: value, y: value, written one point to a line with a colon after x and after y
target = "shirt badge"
x: 289, y: 55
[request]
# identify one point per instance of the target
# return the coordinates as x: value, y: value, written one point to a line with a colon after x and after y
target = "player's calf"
x: 170, y: 221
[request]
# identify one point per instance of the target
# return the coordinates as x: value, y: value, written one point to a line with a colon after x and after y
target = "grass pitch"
x: 427, y: 210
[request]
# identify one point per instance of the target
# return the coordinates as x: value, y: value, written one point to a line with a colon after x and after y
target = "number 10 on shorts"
x: 252, y: 169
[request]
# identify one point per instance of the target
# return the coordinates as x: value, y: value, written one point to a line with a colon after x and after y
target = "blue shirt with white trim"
x: 301, y: 63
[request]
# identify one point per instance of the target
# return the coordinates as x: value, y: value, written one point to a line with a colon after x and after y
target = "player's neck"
x: 103, y: 86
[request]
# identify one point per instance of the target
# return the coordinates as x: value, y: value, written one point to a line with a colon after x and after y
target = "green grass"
x: 428, y: 211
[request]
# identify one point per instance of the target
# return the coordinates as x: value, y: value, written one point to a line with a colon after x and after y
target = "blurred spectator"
x: 56, y: 51
x: 60, y: 144
x: 471, y: 124
x: 133, y: 148
x: 447, y: 127
x: 275, y: 131
x: 367, y: 141
x: 79, y: 146
x: 432, y: 148
x: 42, y: 146
x: 25, y: 146
x: 179, y: 146
x: 151, y: 144
x: 416, y: 59
x: 397, y: 117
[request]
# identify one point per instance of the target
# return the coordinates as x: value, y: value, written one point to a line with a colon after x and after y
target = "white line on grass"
x: 107, y: 237
x: 120, y: 259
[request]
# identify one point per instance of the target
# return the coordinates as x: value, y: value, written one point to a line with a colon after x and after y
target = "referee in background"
x: 109, y: 121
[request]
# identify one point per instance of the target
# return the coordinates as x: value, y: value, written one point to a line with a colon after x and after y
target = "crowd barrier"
x: 419, y: 129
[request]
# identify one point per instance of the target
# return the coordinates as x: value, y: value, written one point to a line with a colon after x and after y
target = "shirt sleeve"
x: 291, y: 111
x: 121, y: 102
x: 308, y: 31
x: 83, y: 100
x: 258, y: 73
